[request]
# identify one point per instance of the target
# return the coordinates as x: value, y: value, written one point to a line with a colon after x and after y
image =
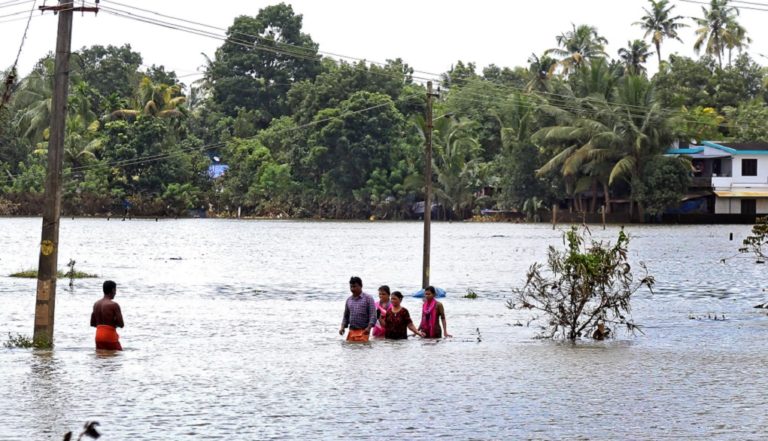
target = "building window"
x: 749, y: 167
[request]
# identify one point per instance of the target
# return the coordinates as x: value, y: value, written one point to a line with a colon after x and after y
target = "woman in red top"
x: 397, y: 321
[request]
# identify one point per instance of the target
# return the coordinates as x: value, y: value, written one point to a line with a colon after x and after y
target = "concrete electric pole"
x: 49, y: 243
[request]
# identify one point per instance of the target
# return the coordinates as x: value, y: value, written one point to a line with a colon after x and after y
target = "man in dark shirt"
x: 359, y: 313
x: 106, y: 317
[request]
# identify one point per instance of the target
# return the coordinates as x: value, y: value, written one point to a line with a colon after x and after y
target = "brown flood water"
x: 231, y: 334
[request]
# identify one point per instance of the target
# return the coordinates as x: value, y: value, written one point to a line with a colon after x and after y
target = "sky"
x: 428, y: 35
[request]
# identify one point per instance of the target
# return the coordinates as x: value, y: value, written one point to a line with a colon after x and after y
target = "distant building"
x: 731, y: 177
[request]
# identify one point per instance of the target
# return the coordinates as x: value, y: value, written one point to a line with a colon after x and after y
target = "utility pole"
x: 427, y: 187
x: 49, y: 243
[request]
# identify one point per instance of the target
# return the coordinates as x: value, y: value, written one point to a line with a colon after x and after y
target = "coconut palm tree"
x: 155, y: 99
x: 33, y: 102
x: 634, y: 56
x: 578, y: 45
x: 456, y: 164
x: 735, y: 38
x: 716, y: 29
x: 602, y: 141
x: 542, y: 68
x: 659, y: 23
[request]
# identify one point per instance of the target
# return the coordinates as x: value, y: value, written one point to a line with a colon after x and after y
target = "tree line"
x: 308, y: 136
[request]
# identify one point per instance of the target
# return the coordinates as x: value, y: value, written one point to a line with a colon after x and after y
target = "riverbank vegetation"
x: 303, y: 135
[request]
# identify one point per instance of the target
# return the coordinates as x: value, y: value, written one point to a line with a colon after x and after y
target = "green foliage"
x: 748, y: 122
x: 472, y: 295
x: 587, y: 284
x: 664, y: 182
x: 25, y: 342
x: 246, y: 76
x: 756, y: 242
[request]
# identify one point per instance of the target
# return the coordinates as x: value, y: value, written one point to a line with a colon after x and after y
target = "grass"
x: 32, y: 274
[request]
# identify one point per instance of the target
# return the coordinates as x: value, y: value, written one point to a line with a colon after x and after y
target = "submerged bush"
x: 756, y: 242
x: 23, y: 341
x: 582, y: 290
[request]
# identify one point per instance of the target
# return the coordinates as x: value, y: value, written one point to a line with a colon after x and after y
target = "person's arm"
x: 345, y: 319
x: 118, y: 317
x: 442, y: 319
x: 93, y: 318
x: 371, y: 315
x: 413, y: 329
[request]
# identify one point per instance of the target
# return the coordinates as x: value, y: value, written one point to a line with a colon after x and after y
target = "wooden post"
x: 49, y: 244
x: 602, y: 211
x: 554, y: 216
x: 427, y: 188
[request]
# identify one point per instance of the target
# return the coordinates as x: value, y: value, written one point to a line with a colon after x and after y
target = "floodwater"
x: 231, y: 333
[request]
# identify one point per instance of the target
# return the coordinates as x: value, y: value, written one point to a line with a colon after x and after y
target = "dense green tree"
x: 663, y: 183
x: 748, y: 122
x: 339, y: 81
x: 261, y: 59
x: 349, y: 142
x: 459, y: 74
x: 109, y: 70
x: 685, y: 82
x: 659, y: 23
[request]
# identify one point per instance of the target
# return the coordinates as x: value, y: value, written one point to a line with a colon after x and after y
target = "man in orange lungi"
x: 359, y: 313
x: 106, y: 317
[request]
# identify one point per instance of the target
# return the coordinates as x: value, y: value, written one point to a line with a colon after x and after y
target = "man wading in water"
x: 106, y: 317
x: 359, y: 313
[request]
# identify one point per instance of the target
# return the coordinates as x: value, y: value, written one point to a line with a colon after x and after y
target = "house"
x: 731, y: 177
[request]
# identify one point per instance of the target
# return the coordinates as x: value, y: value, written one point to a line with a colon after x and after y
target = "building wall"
x: 727, y: 206
x: 762, y: 169
x: 733, y: 205
x: 762, y: 206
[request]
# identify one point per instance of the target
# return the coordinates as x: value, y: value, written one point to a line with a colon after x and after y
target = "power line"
x: 129, y: 15
x: 12, y: 3
x: 258, y: 37
x: 750, y: 8
x: 10, y: 78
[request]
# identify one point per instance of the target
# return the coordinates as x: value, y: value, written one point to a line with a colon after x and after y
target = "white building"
x: 737, y: 174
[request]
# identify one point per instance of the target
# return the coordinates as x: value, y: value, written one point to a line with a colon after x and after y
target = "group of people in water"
x: 387, y: 318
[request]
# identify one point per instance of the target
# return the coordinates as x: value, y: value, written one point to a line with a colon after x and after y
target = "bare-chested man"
x: 106, y: 317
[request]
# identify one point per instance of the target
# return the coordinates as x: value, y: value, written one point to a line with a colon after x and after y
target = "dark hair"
x: 398, y: 294
x: 354, y: 280
x: 384, y: 288
x: 431, y: 289
x: 109, y: 287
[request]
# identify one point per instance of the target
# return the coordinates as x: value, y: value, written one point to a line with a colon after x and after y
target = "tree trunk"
x: 658, y: 52
x: 593, y: 207
x: 607, y: 196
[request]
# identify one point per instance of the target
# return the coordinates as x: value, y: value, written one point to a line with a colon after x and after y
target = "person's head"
x: 110, y: 289
x: 356, y: 285
x: 429, y: 293
x: 383, y: 294
x: 397, y: 297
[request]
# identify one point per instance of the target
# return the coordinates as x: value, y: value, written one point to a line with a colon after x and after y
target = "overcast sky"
x: 429, y: 35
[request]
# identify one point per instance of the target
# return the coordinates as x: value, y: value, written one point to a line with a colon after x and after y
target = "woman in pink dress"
x: 431, y: 311
x: 382, y: 306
